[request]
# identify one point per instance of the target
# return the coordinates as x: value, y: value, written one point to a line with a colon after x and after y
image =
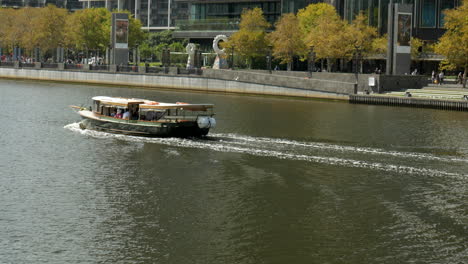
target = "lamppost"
x: 109, y: 54
x: 85, y: 61
x: 269, y: 58
x: 310, y: 65
x: 137, y: 51
x: 356, y: 70
x: 232, y: 57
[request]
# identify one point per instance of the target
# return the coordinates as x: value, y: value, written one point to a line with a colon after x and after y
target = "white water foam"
x: 226, y: 146
x: 249, y: 140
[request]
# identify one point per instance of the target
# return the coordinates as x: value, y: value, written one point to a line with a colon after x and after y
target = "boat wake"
x: 323, y: 153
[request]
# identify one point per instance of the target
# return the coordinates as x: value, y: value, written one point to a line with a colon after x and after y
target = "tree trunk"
x: 329, y: 65
x: 289, y: 65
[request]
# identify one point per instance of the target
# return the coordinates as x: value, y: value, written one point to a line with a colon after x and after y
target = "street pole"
x: 356, y: 70
x: 310, y: 64
x: 269, y: 58
x: 232, y: 57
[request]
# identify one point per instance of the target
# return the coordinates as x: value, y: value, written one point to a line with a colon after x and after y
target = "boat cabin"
x: 146, y: 110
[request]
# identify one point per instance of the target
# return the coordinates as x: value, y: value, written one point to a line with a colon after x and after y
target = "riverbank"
x: 173, y: 80
x: 370, y: 88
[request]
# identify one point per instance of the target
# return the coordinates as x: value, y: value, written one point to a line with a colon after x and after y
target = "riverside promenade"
x: 406, y: 90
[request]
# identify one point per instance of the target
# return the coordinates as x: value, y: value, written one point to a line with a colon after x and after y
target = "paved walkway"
x: 449, y: 91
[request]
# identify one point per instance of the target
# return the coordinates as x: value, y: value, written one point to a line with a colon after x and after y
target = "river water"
x: 278, y: 181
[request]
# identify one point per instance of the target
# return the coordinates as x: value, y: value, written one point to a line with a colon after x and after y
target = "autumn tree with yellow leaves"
x: 287, y: 43
x: 251, y: 39
x: 325, y: 33
x: 454, y: 43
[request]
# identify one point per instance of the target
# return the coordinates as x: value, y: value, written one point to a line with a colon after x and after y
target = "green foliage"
x: 250, y: 41
x: 89, y: 28
x: 50, y: 27
x: 162, y: 37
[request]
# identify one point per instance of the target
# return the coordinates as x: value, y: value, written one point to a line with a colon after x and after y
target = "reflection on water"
x: 278, y: 181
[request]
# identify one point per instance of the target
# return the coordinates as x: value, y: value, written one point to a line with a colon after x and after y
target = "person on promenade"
x: 433, y: 77
x: 460, y: 78
x: 441, y: 78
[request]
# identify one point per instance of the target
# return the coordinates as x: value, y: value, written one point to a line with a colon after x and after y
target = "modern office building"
x: 201, y: 20
x: 154, y: 14
x: 211, y: 17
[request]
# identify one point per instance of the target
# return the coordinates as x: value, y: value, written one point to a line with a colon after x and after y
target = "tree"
x: 50, y: 27
x: 454, y: 43
x: 287, y: 43
x: 309, y: 16
x: 162, y: 37
x: 250, y: 41
x: 89, y: 28
x: 416, y: 47
x: 327, y: 38
x: 360, y: 38
x: 8, y: 31
x: 27, y: 24
x: 380, y: 44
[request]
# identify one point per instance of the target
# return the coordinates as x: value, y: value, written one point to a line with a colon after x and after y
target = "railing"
x: 49, y: 65
x: 99, y: 67
x: 7, y: 64
x: 127, y: 68
x: 155, y: 70
x: 27, y: 65
x: 73, y: 66
x: 106, y: 68
x: 190, y: 71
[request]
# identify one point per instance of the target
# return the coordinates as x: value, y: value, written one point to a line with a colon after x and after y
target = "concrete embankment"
x: 223, y: 82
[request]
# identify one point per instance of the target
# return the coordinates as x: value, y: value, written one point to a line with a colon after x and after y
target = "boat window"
x: 151, y: 115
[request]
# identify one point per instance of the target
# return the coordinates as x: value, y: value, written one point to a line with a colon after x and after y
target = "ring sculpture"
x: 220, y: 61
x: 190, y: 48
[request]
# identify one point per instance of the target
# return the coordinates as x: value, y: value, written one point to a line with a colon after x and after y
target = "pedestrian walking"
x: 460, y: 78
x: 441, y: 78
x: 433, y: 77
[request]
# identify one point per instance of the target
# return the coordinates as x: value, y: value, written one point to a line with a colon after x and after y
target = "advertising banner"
x: 121, y: 34
x: 403, y: 33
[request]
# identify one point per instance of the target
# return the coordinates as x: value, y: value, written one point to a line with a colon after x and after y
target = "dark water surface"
x: 278, y: 181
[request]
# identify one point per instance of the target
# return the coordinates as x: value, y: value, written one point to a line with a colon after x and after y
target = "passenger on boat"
x: 126, y: 115
x: 119, y: 113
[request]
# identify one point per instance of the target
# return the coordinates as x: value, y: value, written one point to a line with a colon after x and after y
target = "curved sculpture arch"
x: 216, y: 48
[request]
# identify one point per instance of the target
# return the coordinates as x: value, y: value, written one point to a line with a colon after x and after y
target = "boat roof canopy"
x: 148, y: 104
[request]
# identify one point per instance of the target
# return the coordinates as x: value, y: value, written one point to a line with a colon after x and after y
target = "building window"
x: 428, y: 13
x: 444, y: 4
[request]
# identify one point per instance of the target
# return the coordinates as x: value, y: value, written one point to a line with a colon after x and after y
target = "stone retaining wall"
x: 173, y: 82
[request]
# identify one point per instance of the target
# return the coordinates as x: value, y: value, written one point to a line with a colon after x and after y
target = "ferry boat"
x: 141, y: 117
